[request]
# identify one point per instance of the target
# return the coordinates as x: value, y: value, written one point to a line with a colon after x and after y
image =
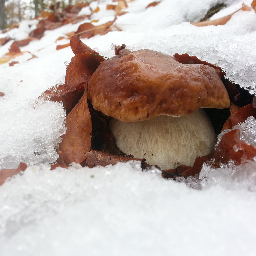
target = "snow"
x: 120, y: 210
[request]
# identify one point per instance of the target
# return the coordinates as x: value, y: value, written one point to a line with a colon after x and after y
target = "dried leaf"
x: 69, y: 96
x: 253, y: 5
x: 79, y: 47
x: 7, y: 173
x: 23, y: 42
x: 1, y: 94
x: 88, y: 30
x: 81, y: 67
x: 231, y: 148
x: 4, y: 40
x: 239, y: 115
x: 97, y: 9
x: 62, y: 46
x: 95, y: 158
x: 153, y: 4
x: 77, y: 140
x: 220, y: 21
x: 13, y: 63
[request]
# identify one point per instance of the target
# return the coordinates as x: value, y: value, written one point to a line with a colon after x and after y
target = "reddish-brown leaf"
x: 239, y: 115
x: 153, y: 4
x: 13, y: 63
x: 69, y: 96
x: 1, y: 94
x: 81, y: 67
x: 77, y: 140
x: 23, y: 42
x: 231, y: 148
x: 62, y: 46
x: 7, y: 173
x: 79, y: 47
x: 4, y: 40
x: 14, y: 49
x: 88, y: 30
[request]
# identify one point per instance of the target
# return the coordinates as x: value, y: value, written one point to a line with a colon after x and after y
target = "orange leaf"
x: 97, y: 9
x: 59, y: 47
x: 153, y: 4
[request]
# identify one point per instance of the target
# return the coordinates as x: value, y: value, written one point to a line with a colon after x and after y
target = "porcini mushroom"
x: 154, y: 101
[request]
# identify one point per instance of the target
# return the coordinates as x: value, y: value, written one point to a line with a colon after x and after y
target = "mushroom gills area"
x: 166, y: 141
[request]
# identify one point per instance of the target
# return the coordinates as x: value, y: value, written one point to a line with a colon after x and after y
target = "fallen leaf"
x: 81, y: 67
x: 7, y: 173
x: 77, y: 139
x: 220, y: 21
x: 4, y: 40
x: 1, y: 94
x: 97, y: 9
x: 62, y: 46
x: 239, y: 115
x: 97, y: 158
x: 23, y: 42
x: 88, y: 30
x: 153, y: 4
x: 253, y: 5
x: 13, y: 63
x: 79, y: 47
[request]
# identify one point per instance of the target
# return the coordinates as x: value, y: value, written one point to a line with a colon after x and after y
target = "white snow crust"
x: 120, y: 210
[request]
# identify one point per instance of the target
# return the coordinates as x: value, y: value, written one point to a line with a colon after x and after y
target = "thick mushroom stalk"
x: 166, y: 141
x: 147, y: 85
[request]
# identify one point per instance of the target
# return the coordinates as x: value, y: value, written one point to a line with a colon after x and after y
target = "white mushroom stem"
x: 166, y: 141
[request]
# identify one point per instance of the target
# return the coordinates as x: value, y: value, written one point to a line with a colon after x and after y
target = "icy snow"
x: 120, y: 210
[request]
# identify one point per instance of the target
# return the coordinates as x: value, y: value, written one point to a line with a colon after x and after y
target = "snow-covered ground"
x: 119, y: 210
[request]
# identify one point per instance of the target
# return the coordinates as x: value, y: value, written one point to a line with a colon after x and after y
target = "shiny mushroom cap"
x: 141, y: 85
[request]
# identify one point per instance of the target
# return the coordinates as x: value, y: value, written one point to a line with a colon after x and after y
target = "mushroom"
x: 154, y: 101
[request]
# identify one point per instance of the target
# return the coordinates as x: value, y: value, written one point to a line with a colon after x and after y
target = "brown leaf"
x: 88, y: 30
x: 97, y: 158
x: 153, y: 4
x: 1, y: 94
x: 253, y: 5
x: 110, y: 7
x: 241, y: 114
x: 81, y: 67
x: 7, y: 173
x: 13, y: 63
x: 23, y: 42
x: 14, y: 49
x: 69, y: 96
x: 231, y: 148
x: 220, y: 21
x: 79, y: 47
x: 62, y: 46
x: 4, y: 40
x: 77, y: 140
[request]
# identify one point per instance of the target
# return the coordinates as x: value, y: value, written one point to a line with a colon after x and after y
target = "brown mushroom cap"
x: 144, y: 84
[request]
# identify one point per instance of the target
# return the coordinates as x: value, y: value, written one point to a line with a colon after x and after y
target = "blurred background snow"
x: 119, y: 210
